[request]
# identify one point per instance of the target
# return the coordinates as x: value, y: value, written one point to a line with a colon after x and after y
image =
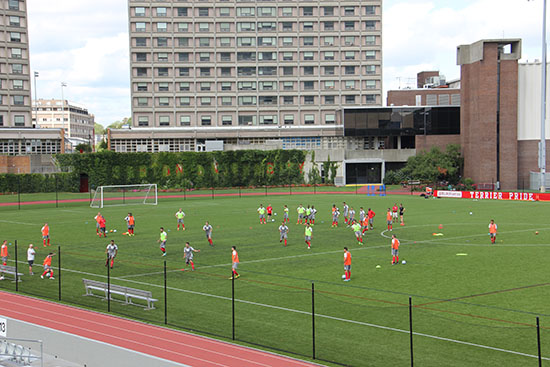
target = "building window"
x: 287, y: 26
x: 330, y: 100
x: 330, y: 119
x: 267, y: 41
x: 205, y: 72
x: 162, y: 42
x: 226, y: 86
x: 15, y: 37
x: 205, y: 86
x: 246, y: 56
x: 183, y: 41
x: 1, y: 120
x: 370, y: 69
x: 308, y: 41
x: 289, y: 41
x: 204, y: 42
x: 288, y: 56
x: 267, y: 56
x: 288, y: 85
x: 246, y: 71
x: 162, y: 57
x: 185, y: 120
x: 288, y: 119
x: 349, y: 55
x: 286, y: 12
x: 204, y: 56
x: 17, y: 84
x: 266, y: 11
x: 142, y: 87
x: 350, y: 99
x: 370, y: 55
x: 227, y: 101
x: 288, y: 100
x: 267, y: 70
x: 206, y: 101
x: 182, y: 12
x: 183, y: 27
x: 227, y: 120
x: 268, y: 120
x: 13, y: 4
x: 184, y: 87
x: 143, y: 121
x: 161, y: 12
x: 164, y: 120
x: 141, y: 42
x: 140, y: 27
x: 185, y: 101
x: 139, y: 11
x: 308, y: 56
x: 307, y: 26
x: 370, y: 84
x: 19, y: 120
x: 17, y: 68
x: 245, y: 12
x: 164, y: 101
x: 183, y: 56
x: 268, y: 100
x: 142, y: 101
x: 370, y: 25
x: 162, y: 71
x: 349, y: 70
x: 307, y: 11
x: 18, y: 100
x: 162, y: 27
x: 329, y: 70
x: 329, y: 55
x: 267, y: 86
x: 16, y: 53
x: 370, y: 98
x: 247, y: 101
x: 329, y: 84
x: 349, y: 26
x: 349, y: 40
x: 141, y: 56
x: 328, y: 26
x: 204, y: 12
x: 206, y: 120
x: 328, y: 40
x: 328, y: 10
x: 204, y: 27
x: 309, y: 99
x: 225, y: 41
x: 350, y: 84
x: 247, y: 120
x: 288, y: 70
x: 224, y: 12
x: 309, y: 85
x: 370, y: 10
x: 246, y: 41
x: 15, y: 21
x: 349, y: 10
x: 309, y: 119
x: 183, y: 72
x: 225, y: 27
x: 370, y: 40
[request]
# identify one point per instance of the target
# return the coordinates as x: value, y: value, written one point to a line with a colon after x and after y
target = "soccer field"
x: 474, y: 303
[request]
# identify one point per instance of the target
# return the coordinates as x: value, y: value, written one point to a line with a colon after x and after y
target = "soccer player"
x: 493, y: 231
x: 351, y: 215
x: 269, y: 212
x: 345, y: 209
x: 234, y: 262
x: 97, y: 221
x: 394, y: 212
x: 30, y: 257
x: 301, y: 211
x: 347, y: 264
x: 4, y: 253
x: 111, y: 251
x: 179, y: 215
x: 308, y: 213
x: 312, y: 215
x: 48, y: 266
x: 102, y: 226
x: 188, y: 255
x: 308, y: 236
x: 358, y: 234
x: 285, y: 214
x: 370, y: 215
x: 401, y: 212
x: 363, y: 219
x: 162, y: 241
x: 335, y: 215
x: 283, y: 230
x: 207, y: 228
x: 261, y: 212
x: 389, y: 219
x: 46, y: 234
x: 394, y: 250
x: 131, y: 223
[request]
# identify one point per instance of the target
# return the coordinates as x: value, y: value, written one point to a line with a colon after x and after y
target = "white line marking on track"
x: 317, y: 315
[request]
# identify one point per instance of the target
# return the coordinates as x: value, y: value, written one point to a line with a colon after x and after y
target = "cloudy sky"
x: 85, y: 44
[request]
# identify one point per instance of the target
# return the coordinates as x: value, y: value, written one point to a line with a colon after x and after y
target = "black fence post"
x: 233, y: 305
x: 212, y: 191
x: 538, y: 342
x: 16, y: 269
x: 56, y: 195
x: 19, y: 192
x: 165, y: 295
x: 90, y: 191
x: 59, y: 271
x: 108, y: 285
x: 184, y: 191
x: 314, y: 188
x: 239, y: 191
x: 123, y: 196
x: 313, y: 319
x: 411, y: 330
x: 265, y: 190
x: 290, y: 187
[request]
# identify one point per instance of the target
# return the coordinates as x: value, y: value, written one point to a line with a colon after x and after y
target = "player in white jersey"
x: 362, y: 215
x: 283, y: 230
x: 30, y: 257
x: 111, y: 251
x: 312, y: 215
x: 345, y: 210
x: 207, y: 228
x: 351, y: 215
x: 188, y: 255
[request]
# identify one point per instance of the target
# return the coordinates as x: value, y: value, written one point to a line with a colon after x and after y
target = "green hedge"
x: 37, y: 182
x: 188, y: 169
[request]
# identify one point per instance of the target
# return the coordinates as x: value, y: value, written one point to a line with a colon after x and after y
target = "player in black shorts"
x: 401, y: 212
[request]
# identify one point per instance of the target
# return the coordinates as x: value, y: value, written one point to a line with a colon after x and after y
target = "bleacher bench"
x: 6, y: 269
x: 126, y: 292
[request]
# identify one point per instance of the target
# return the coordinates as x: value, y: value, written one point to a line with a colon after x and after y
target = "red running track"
x: 161, y: 342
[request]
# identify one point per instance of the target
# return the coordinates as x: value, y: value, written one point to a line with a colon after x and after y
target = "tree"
x: 435, y: 165
x: 83, y: 148
x: 99, y: 129
x: 119, y: 124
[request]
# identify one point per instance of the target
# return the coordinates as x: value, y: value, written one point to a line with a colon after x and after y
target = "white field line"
x: 252, y: 261
x: 13, y: 222
x: 316, y: 315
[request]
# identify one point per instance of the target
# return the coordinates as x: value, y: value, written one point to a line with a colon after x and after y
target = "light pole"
x: 36, y: 75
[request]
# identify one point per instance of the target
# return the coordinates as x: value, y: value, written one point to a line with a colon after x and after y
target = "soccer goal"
x: 125, y: 195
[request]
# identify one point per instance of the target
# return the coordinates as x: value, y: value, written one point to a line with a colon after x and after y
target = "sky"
x: 85, y: 44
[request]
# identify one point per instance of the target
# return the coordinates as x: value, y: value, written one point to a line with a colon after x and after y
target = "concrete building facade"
x: 58, y: 114
x: 15, y: 82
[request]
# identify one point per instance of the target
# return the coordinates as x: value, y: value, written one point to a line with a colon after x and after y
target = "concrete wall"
x: 83, y: 351
x: 529, y: 108
x: 15, y: 164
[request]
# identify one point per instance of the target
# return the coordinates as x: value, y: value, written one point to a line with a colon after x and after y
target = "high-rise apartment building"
x: 74, y: 119
x: 15, y: 88
x: 266, y: 71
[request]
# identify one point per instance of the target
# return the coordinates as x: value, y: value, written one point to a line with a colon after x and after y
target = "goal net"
x: 124, y: 195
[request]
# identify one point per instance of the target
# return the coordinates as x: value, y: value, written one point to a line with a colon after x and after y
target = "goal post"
x: 113, y: 195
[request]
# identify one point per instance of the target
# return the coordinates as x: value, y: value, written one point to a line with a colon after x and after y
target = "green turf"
x: 489, y: 297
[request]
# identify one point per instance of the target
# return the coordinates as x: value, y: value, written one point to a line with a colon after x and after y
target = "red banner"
x: 493, y: 195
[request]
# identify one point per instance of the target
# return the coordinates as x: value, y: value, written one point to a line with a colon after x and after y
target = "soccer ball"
x: 471, y: 213
x: 48, y: 275
x: 114, y: 230
x: 273, y: 220
x: 343, y: 276
x: 274, y: 213
x: 403, y: 262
